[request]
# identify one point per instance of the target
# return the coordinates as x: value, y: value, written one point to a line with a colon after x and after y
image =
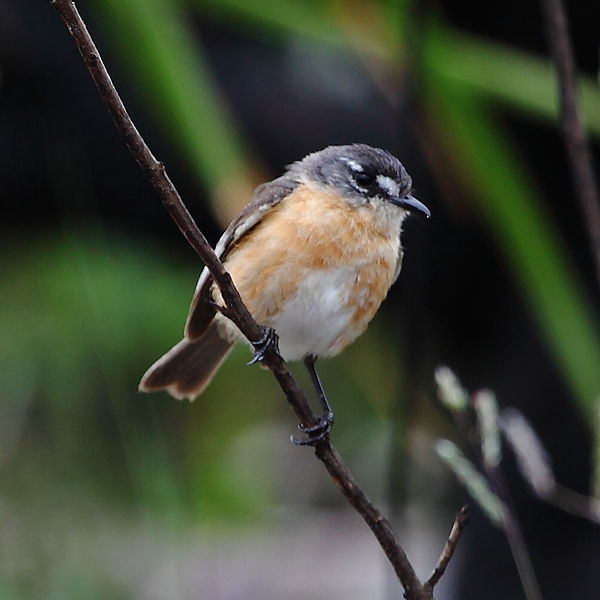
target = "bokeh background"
x: 106, y: 493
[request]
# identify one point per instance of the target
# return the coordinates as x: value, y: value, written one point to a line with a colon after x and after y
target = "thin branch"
x: 166, y: 191
x: 490, y: 456
x: 236, y: 310
x: 573, y: 135
x: 514, y: 535
x: 460, y: 522
x: 536, y: 468
x: 580, y: 505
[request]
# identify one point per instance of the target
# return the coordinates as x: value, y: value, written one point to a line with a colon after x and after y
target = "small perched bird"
x: 312, y: 255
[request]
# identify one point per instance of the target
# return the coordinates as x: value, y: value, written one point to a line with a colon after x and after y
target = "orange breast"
x: 314, y: 230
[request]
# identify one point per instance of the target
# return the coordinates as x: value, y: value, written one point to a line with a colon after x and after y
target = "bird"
x: 313, y: 255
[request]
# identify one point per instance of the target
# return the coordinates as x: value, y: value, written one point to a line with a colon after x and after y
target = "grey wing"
x: 265, y: 197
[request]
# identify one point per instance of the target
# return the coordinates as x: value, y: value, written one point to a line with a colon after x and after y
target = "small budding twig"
x: 236, y: 311
x: 487, y: 487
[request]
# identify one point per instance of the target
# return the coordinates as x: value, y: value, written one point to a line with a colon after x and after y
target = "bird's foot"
x: 316, y: 433
x: 268, y: 341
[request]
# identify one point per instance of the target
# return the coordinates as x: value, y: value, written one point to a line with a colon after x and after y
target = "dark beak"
x: 411, y: 204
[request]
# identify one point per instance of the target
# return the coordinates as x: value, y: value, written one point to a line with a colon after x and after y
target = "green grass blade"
x: 513, y: 77
x: 167, y: 65
x: 518, y: 79
x: 524, y: 233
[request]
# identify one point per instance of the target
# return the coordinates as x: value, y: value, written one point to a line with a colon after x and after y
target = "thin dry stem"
x: 574, y: 138
x: 460, y: 522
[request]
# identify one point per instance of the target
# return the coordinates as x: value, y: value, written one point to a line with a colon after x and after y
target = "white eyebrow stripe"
x: 388, y: 185
x: 355, y: 166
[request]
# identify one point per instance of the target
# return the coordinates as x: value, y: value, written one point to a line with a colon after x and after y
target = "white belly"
x: 317, y: 315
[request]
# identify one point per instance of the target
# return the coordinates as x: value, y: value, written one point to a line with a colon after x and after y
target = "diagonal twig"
x: 460, y: 522
x: 574, y: 138
x: 236, y: 311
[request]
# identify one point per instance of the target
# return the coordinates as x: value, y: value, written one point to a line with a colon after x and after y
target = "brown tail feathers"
x: 187, y: 368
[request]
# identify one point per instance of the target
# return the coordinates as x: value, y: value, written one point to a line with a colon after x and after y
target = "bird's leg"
x: 321, y: 430
x: 309, y: 362
x: 269, y: 340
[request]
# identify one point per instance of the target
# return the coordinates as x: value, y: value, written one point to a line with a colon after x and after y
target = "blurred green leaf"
x: 474, y: 482
x: 490, y: 167
x: 310, y: 18
x: 167, y: 66
x: 514, y: 77
x: 74, y: 359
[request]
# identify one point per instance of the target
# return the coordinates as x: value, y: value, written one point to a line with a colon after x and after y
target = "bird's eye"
x: 365, y: 180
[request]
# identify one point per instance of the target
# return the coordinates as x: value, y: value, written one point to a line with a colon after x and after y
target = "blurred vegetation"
x: 76, y: 438
x: 461, y: 76
x: 83, y: 310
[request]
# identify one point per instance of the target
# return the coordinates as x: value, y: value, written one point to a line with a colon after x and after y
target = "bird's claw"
x: 269, y: 340
x: 315, y: 433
